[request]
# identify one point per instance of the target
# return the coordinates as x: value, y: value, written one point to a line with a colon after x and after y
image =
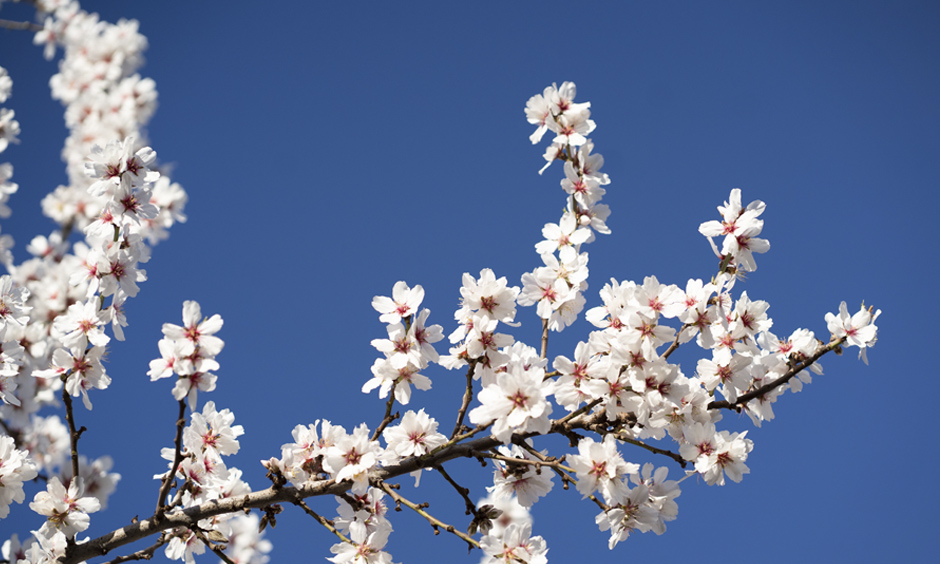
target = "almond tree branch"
x: 28, y: 26
x: 322, y: 520
x: 682, y: 462
x: 796, y: 369
x: 467, y: 398
x: 170, y: 476
x: 675, y: 344
x: 544, y: 352
x: 464, y: 492
x: 388, y: 418
x: 144, y: 554
x: 455, y: 448
x: 74, y: 434
x: 436, y: 523
x: 288, y: 494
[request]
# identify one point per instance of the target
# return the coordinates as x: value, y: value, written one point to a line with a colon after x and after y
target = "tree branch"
x: 467, y: 398
x: 192, y: 515
x: 436, y: 523
x: 464, y: 492
x: 74, y: 434
x: 28, y: 26
x: 675, y: 344
x: 322, y: 520
x: 735, y: 405
x: 544, y: 352
x: 144, y: 554
x: 682, y: 462
x: 388, y: 418
x: 177, y: 459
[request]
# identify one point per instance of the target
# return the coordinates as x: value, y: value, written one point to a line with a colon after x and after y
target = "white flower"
x: 352, y: 457
x: 80, y: 325
x: 15, y: 468
x: 246, y: 544
x: 526, y: 482
x: 415, y: 435
x: 599, y: 467
x: 858, y: 330
x: 489, y: 296
x: 514, y: 544
x: 516, y: 403
x: 365, y: 548
x: 200, y: 332
x: 66, y: 510
x: 403, y: 303
x: 212, y: 433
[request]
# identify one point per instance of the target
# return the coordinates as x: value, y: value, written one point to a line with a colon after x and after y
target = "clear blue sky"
x: 331, y: 149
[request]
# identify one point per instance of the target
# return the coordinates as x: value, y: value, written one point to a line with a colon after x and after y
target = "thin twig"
x: 655, y: 450
x: 214, y: 547
x: 536, y: 463
x: 177, y: 460
x: 28, y: 26
x: 74, y: 434
x: 565, y: 477
x: 144, y: 554
x: 778, y: 382
x: 584, y: 409
x: 544, y: 352
x: 388, y: 418
x: 436, y: 523
x: 322, y: 520
x: 464, y: 492
x: 453, y: 441
x: 675, y: 344
x: 467, y: 398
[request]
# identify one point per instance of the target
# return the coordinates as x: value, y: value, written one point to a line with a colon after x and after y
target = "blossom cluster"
x: 740, y: 227
x: 189, y: 351
x: 58, y: 305
x: 557, y: 289
x: 332, y: 453
x: 205, y: 477
x: 409, y: 347
x: 62, y: 300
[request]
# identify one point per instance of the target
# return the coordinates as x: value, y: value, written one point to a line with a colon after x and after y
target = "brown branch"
x: 464, y: 492
x: 192, y: 515
x: 675, y: 344
x: 74, y: 434
x: 467, y: 398
x: 144, y: 554
x: 28, y: 26
x: 388, y: 418
x: 735, y: 405
x: 655, y: 450
x: 322, y: 520
x: 550, y: 462
x: 170, y: 477
x: 544, y: 352
x: 436, y: 523
x: 555, y: 465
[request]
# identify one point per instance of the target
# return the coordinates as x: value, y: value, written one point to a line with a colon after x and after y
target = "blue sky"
x: 331, y: 149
